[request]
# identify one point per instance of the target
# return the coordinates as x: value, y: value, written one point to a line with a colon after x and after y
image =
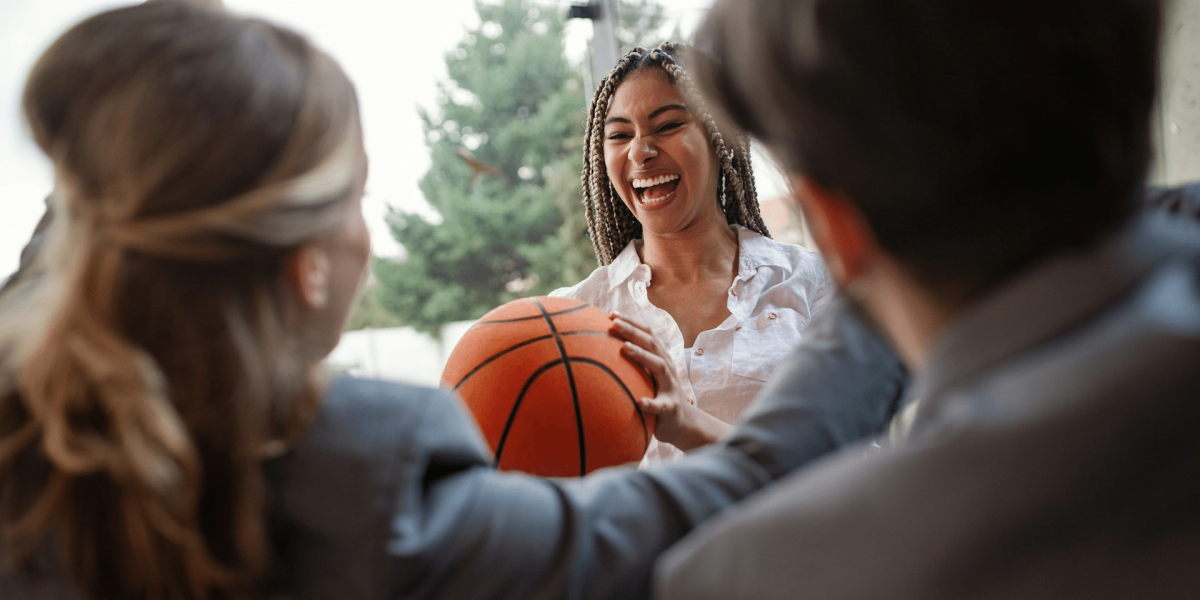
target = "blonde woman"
x: 166, y: 428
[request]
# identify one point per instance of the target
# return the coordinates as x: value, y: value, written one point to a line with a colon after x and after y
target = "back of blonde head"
x: 151, y: 357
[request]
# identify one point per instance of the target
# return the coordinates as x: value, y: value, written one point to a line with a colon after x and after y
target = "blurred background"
x: 473, y: 114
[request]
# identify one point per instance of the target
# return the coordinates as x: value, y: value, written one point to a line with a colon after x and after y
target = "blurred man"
x: 969, y: 169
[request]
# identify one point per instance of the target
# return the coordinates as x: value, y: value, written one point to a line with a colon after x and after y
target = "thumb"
x: 654, y: 406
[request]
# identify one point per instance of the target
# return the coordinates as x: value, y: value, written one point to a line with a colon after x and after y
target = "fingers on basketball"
x: 551, y: 390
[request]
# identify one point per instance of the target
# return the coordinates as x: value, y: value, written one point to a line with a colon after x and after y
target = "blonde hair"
x: 151, y: 358
x: 610, y: 223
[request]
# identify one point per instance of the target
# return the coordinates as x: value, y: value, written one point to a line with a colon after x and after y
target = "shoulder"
x: 1072, y: 423
x: 594, y: 286
x: 986, y: 476
x: 796, y: 535
x: 370, y: 433
x: 603, y: 286
x: 358, y: 473
x: 794, y: 262
x: 348, y: 395
x: 375, y: 410
x: 795, y: 276
x: 380, y: 417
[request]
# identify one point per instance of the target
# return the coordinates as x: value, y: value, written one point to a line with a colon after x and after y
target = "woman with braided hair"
x: 674, y: 219
x: 167, y: 430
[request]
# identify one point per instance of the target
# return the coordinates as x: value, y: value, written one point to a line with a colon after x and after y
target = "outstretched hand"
x: 679, y: 421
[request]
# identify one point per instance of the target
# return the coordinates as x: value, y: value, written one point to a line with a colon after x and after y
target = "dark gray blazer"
x: 1054, y: 453
x: 389, y: 494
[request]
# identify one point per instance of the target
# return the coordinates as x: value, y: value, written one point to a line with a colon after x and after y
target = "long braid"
x: 586, y: 184
x: 597, y: 190
x: 734, y: 157
x: 750, y: 216
x: 610, y: 223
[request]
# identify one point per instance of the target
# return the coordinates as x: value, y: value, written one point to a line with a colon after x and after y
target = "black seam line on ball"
x: 512, y: 413
x: 562, y: 351
x: 628, y: 394
x: 534, y: 317
x: 515, y: 347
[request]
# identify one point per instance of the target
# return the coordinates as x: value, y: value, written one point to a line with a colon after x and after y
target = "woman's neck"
x: 695, y: 254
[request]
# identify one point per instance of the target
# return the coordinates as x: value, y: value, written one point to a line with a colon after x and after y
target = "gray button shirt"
x: 389, y: 495
x: 1054, y: 454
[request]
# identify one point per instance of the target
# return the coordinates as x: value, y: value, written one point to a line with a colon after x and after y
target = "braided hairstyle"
x: 610, y: 223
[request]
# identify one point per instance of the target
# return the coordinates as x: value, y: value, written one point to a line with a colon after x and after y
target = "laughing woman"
x: 673, y: 215
x: 167, y: 429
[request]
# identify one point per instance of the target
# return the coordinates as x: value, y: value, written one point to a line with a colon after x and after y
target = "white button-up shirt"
x: 777, y: 289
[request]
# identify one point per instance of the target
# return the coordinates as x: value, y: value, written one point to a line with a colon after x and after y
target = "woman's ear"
x: 839, y: 229
x: 309, y: 271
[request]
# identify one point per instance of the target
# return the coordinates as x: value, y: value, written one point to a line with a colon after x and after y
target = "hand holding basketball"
x: 678, y: 421
x: 550, y: 389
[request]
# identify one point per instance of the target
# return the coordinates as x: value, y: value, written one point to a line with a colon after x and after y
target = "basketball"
x: 550, y: 389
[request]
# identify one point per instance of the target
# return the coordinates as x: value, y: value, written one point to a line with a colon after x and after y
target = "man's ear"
x: 838, y: 227
x: 308, y: 270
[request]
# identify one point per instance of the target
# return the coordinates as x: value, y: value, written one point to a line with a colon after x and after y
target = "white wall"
x: 398, y: 353
x: 1177, y: 129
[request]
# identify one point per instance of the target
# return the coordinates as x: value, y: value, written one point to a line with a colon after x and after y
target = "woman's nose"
x: 642, y: 151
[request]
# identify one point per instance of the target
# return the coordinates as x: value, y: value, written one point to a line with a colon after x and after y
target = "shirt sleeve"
x: 462, y: 530
x: 823, y: 288
x: 841, y: 384
x: 584, y: 290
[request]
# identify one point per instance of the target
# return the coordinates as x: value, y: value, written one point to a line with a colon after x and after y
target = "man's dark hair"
x: 976, y: 136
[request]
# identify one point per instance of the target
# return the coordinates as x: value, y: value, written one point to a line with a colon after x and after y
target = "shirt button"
x: 773, y: 316
x: 699, y: 351
x: 738, y: 328
x: 690, y: 400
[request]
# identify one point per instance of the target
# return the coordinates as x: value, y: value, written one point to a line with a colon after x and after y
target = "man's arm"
x: 1183, y: 200
x: 486, y: 534
x: 843, y: 383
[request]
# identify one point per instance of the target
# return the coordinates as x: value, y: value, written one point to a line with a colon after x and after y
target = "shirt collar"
x: 1033, y: 308
x: 756, y: 250
x: 623, y: 266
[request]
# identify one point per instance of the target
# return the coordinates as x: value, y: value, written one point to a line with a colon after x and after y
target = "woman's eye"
x: 671, y: 125
x: 617, y: 135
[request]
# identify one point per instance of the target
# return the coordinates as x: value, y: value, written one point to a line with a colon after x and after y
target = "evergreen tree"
x: 638, y: 24
x: 367, y: 313
x: 505, y: 147
x: 503, y: 143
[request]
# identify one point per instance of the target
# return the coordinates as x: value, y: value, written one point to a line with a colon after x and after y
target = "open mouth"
x: 655, y: 189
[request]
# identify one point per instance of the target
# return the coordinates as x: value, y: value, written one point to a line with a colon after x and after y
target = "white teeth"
x: 661, y: 179
x: 647, y: 201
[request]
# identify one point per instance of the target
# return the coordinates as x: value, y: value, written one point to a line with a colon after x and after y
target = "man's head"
x: 974, y: 138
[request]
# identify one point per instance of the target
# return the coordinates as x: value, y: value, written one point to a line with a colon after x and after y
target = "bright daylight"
x: 599, y: 299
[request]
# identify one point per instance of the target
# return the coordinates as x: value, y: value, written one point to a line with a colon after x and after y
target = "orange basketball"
x: 550, y: 389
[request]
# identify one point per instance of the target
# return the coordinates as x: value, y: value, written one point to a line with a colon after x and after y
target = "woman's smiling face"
x: 658, y: 156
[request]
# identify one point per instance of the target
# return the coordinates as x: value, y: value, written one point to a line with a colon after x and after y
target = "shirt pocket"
x: 764, y: 340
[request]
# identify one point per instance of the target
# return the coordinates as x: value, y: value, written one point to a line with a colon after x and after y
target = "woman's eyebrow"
x: 658, y: 111
x: 662, y: 109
